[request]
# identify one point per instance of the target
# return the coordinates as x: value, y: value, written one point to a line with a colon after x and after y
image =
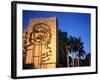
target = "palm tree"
x: 68, y: 50
x: 65, y: 49
x: 64, y: 46
x: 81, y: 52
x: 76, y: 46
x: 73, y: 46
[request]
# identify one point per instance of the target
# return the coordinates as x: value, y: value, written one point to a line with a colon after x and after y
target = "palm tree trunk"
x: 73, y: 60
x: 67, y: 60
x: 78, y: 60
x: 67, y: 55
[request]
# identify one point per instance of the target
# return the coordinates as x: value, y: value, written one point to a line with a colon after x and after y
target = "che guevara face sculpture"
x: 42, y: 33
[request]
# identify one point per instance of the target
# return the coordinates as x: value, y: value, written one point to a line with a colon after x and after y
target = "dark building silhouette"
x: 62, y: 52
x: 88, y: 60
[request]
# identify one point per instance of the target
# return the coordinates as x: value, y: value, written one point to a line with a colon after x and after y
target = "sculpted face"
x: 40, y: 34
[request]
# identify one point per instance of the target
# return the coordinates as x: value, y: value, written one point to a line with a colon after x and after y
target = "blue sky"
x: 76, y: 24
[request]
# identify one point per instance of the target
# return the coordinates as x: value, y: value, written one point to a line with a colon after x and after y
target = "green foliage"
x: 71, y: 45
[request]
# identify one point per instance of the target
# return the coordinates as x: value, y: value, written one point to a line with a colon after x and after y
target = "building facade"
x: 39, y: 43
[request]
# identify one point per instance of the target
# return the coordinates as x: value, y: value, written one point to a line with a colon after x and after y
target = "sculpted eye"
x: 36, y: 31
x: 43, y: 31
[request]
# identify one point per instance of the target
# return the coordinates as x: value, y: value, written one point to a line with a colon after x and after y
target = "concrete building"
x: 39, y: 43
